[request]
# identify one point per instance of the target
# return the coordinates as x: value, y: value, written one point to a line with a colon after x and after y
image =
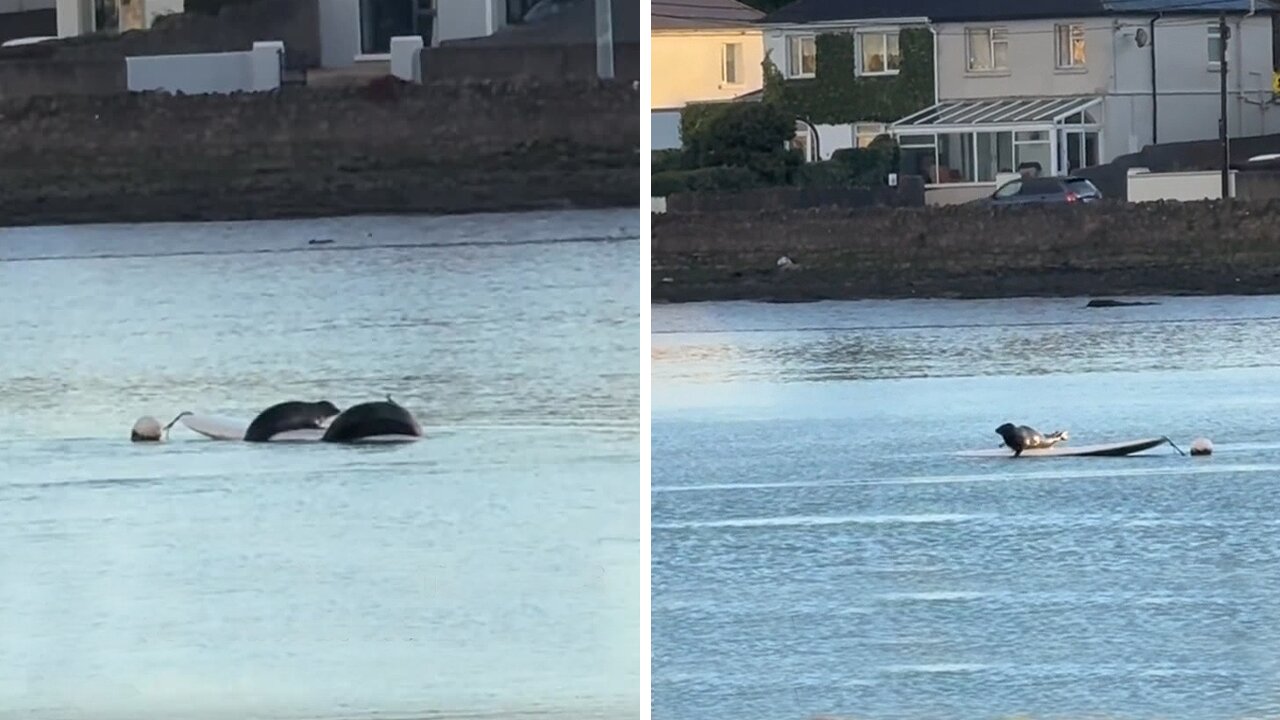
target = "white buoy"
x: 1201, y: 446
x: 147, y: 429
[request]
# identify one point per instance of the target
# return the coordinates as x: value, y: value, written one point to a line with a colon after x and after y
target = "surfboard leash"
x: 174, y: 421
x: 1175, y: 447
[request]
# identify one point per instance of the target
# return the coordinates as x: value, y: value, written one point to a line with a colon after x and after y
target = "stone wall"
x: 1110, y: 249
x: 389, y: 147
x: 546, y: 62
x: 909, y: 193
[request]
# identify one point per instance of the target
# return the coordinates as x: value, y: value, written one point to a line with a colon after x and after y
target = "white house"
x: 1063, y: 84
x: 791, y: 44
x: 350, y: 30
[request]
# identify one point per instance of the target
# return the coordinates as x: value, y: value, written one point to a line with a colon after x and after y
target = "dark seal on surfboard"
x: 372, y: 419
x: 286, y: 416
x: 1021, y: 437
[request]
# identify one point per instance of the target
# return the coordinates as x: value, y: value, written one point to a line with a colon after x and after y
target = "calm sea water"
x: 490, y: 569
x: 819, y: 550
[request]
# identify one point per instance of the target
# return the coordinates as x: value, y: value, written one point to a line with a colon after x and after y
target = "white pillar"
x: 75, y: 17
x: 266, y: 65
x: 604, y: 39
x: 406, y: 58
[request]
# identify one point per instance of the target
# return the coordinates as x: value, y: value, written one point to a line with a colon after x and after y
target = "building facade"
x: 1074, y: 87
x: 701, y: 51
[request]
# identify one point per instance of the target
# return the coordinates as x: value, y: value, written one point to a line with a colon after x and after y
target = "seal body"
x: 381, y: 417
x: 1022, y: 437
x: 291, y: 415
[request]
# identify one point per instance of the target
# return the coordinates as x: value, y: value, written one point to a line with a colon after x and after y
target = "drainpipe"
x: 933, y: 29
x: 1155, y: 112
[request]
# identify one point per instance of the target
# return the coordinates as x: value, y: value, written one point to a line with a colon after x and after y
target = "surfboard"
x: 1100, y: 450
x: 218, y: 427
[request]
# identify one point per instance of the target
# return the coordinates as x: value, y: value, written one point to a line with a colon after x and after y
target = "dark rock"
x: 1116, y: 304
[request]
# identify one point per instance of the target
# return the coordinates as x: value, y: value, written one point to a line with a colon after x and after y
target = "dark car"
x: 1043, y: 191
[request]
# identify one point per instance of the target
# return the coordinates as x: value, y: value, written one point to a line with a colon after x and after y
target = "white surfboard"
x: 1062, y: 450
x: 217, y: 427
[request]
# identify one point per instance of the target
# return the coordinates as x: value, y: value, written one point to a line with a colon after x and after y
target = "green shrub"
x: 711, y: 179
x: 665, y: 160
x: 731, y: 133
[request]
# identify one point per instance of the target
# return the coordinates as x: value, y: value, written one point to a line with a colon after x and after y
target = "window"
x: 955, y: 158
x: 731, y: 64
x: 517, y: 9
x: 918, y: 155
x: 1032, y: 147
x: 988, y: 49
x: 1070, y: 42
x: 803, y: 142
x: 802, y: 56
x: 1081, y: 150
x: 866, y: 133
x: 1214, y: 45
x: 880, y: 54
x: 1009, y: 189
x: 995, y: 155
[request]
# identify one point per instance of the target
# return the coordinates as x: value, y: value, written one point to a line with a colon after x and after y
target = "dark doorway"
x: 381, y: 20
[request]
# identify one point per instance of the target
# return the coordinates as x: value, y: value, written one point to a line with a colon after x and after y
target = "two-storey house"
x: 1056, y: 85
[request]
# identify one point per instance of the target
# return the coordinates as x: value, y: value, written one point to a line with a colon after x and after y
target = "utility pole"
x: 604, y: 39
x: 1224, y: 32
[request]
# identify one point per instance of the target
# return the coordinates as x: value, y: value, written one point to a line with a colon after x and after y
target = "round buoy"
x: 147, y: 429
x: 1201, y: 446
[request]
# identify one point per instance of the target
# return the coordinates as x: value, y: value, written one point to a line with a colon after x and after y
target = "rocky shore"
x: 1112, y: 250
x: 305, y: 152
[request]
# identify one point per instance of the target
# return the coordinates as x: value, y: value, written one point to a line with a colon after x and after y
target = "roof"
x: 568, y: 22
x: 967, y: 114
x: 813, y: 11
x: 701, y: 14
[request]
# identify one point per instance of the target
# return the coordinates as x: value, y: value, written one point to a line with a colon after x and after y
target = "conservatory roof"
x: 969, y: 114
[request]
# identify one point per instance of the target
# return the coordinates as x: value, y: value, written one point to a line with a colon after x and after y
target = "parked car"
x: 1043, y: 191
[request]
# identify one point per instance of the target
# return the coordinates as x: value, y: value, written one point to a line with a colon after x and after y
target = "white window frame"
x: 736, y: 50
x: 1069, y: 32
x: 884, y: 35
x: 795, y: 55
x: 870, y: 130
x: 1212, y: 35
x: 996, y: 35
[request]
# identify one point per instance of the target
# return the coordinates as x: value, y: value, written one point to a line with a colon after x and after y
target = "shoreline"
x: 193, y: 210
x: 1111, y: 251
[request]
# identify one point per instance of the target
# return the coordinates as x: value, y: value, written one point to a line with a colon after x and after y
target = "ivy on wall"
x: 836, y: 95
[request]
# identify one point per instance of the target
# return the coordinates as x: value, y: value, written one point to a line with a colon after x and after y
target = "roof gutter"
x: 837, y: 24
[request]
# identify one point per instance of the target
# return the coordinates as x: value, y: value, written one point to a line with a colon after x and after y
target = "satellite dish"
x: 1140, y: 37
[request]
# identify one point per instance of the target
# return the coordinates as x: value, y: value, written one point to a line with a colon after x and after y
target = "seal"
x: 1020, y: 437
x: 380, y: 417
x: 291, y: 415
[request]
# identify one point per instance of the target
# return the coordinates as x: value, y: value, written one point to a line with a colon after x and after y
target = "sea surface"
x: 820, y: 550
x: 489, y: 570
